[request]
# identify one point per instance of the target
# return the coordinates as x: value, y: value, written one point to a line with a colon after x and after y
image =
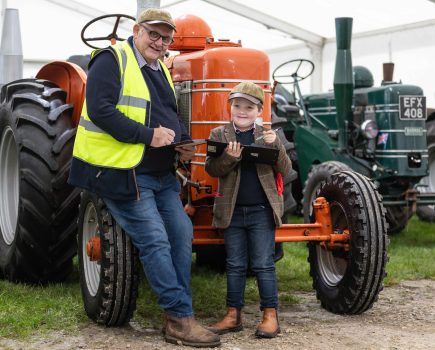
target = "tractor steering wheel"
x: 112, y: 37
x: 292, y: 71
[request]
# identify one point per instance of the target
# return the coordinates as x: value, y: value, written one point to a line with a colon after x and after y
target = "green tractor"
x: 379, y: 132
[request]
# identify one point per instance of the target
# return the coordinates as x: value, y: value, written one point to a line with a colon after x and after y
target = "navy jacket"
x: 102, y: 92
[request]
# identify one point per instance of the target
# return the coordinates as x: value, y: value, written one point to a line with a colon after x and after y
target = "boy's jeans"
x: 250, y: 239
x: 162, y: 232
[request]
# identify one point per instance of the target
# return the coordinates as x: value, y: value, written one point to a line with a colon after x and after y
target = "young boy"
x: 249, y: 209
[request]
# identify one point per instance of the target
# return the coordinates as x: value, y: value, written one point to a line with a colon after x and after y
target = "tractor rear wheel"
x: 397, y: 218
x: 348, y: 279
x: 109, y: 280
x: 427, y: 213
x: 317, y: 174
x: 38, y: 210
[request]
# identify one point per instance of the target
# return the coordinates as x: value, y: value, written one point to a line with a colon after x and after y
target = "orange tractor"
x: 38, y: 221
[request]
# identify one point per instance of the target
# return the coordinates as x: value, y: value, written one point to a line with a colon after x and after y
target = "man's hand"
x: 234, y: 149
x: 162, y: 137
x: 186, y: 152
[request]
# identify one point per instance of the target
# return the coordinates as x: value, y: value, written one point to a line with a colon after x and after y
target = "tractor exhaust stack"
x: 343, y: 79
x: 388, y: 70
x: 11, y: 51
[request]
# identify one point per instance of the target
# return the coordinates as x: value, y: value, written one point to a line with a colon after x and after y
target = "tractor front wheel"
x: 109, y: 267
x: 348, y: 278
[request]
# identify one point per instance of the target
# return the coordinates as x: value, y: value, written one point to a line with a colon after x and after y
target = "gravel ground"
x: 403, y: 318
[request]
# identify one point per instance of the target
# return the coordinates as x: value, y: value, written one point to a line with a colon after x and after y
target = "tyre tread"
x: 44, y: 242
x: 119, y: 280
x: 363, y: 279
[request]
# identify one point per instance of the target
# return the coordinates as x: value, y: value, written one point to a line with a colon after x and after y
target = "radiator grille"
x: 184, y: 100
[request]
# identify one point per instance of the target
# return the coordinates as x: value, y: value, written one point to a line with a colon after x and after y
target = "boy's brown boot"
x: 232, y: 322
x: 269, y: 327
x: 187, y: 331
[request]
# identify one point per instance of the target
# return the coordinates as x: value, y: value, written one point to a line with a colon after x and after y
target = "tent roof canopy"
x: 272, y: 24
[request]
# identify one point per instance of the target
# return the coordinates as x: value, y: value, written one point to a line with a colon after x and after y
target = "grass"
x: 412, y: 253
x: 27, y: 310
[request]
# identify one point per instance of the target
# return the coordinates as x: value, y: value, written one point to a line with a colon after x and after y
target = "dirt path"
x: 403, y: 318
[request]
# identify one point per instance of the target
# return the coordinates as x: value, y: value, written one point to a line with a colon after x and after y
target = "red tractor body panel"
x: 69, y: 77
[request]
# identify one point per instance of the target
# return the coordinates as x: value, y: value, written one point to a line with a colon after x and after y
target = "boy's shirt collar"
x: 238, y: 131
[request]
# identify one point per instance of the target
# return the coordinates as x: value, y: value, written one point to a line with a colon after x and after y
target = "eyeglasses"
x: 154, y: 36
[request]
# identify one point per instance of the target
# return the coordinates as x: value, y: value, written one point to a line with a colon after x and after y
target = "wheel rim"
x: 91, y: 268
x: 332, y: 267
x: 9, y: 185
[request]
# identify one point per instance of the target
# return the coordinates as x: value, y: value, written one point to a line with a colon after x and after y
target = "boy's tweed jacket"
x: 227, y: 168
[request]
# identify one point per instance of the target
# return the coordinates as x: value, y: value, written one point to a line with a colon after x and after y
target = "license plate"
x: 412, y: 107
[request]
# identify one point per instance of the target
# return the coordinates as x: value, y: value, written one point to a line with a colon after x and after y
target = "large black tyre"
x: 317, y: 174
x: 427, y: 213
x: 348, y: 281
x: 38, y: 210
x: 109, y: 286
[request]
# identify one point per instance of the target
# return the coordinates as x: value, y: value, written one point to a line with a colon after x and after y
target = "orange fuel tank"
x: 204, y: 73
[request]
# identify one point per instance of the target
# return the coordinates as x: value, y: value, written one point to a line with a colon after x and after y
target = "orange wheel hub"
x: 93, y: 249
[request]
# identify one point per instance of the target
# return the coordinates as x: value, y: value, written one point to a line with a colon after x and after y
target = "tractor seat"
x: 283, y: 107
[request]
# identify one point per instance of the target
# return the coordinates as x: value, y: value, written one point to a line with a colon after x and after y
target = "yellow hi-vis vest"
x: 95, y: 146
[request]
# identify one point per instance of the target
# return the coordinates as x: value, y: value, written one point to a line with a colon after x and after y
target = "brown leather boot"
x: 187, y: 331
x: 232, y: 322
x: 269, y: 327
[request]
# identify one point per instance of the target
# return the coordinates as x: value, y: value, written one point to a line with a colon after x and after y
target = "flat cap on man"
x: 156, y: 16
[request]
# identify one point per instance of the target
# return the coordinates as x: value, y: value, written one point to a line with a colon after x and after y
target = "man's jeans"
x: 162, y: 232
x: 250, y: 239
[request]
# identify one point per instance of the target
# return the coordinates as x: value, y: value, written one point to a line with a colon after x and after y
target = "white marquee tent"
x: 400, y: 31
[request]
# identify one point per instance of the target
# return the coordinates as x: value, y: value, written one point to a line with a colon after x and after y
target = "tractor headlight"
x: 369, y: 129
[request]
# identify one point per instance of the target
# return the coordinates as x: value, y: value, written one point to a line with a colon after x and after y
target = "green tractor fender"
x: 317, y: 148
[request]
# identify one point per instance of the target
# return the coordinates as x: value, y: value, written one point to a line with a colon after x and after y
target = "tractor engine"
x: 387, y: 128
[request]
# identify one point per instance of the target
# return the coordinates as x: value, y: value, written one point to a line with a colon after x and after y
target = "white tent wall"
x: 278, y: 57
x: 51, y: 31
x: 411, y: 49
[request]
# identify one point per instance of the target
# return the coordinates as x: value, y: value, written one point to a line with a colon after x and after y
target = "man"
x: 129, y: 112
